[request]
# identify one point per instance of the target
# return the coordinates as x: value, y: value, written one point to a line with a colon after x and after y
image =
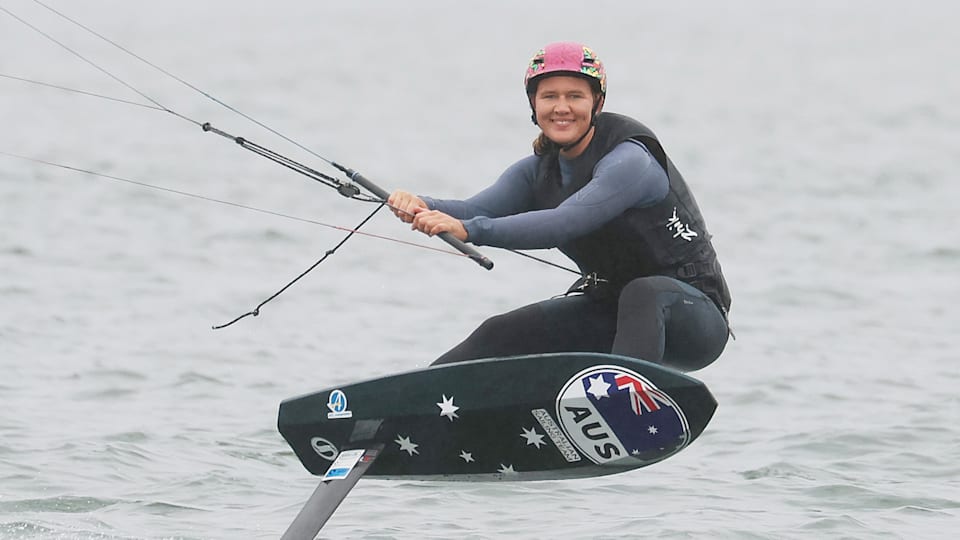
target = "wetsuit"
x: 652, y: 287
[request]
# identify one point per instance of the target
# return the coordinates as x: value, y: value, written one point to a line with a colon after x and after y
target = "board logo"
x: 612, y: 413
x: 337, y: 403
x: 324, y: 448
x: 553, y: 431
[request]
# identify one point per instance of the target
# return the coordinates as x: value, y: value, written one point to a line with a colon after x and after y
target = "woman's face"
x: 564, y: 106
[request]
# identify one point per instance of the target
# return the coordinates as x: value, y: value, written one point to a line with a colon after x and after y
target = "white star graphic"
x: 506, y: 469
x: 406, y: 445
x: 447, y: 408
x: 635, y: 452
x: 599, y: 387
x: 532, y: 437
x: 652, y: 430
x: 466, y: 456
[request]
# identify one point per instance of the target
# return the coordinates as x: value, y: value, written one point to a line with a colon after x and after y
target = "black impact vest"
x: 669, y: 238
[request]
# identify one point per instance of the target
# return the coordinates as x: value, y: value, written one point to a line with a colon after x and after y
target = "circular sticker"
x: 612, y: 414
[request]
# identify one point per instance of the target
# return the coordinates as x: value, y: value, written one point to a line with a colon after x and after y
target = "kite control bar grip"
x: 455, y: 242
x: 466, y: 250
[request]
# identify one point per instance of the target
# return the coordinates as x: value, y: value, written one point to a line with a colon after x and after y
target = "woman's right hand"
x: 406, y: 205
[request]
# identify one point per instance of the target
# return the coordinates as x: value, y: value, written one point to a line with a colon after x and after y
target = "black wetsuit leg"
x: 667, y: 321
x: 563, y: 324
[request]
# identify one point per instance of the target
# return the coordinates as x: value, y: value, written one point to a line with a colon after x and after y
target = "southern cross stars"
x: 406, y: 445
x: 447, y: 408
x: 532, y: 437
x: 599, y: 387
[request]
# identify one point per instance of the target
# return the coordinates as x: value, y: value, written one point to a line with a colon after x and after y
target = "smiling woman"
x: 599, y: 187
x: 566, y: 93
x: 564, y: 107
x: 818, y: 138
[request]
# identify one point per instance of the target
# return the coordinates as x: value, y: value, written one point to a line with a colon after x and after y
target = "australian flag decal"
x: 613, y: 414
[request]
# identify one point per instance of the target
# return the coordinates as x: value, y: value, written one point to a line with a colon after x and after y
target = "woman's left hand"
x: 433, y: 222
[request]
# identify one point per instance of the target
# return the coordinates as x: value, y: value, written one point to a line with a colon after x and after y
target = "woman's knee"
x: 497, y: 326
x: 500, y: 335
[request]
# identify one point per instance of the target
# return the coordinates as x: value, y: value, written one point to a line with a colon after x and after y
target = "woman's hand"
x: 406, y: 205
x: 433, y: 222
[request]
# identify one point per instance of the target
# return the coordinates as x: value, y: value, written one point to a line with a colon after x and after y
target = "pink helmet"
x: 566, y: 57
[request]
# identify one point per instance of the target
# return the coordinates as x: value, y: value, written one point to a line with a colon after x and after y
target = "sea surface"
x: 821, y: 138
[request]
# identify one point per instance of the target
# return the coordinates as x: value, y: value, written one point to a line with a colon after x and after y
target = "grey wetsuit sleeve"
x: 627, y: 177
x: 512, y: 193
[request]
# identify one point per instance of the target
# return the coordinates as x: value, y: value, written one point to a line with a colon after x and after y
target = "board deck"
x: 536, y: 417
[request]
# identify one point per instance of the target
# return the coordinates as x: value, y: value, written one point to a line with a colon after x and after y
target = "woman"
x: 599, y: 187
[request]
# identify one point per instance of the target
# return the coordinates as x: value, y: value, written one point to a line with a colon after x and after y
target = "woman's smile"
x: 564, y: 106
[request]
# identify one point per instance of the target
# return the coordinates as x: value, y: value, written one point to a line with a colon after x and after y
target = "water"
x: 820, y: 139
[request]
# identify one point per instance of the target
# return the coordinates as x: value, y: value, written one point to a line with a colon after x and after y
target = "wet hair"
x: 543, y: 146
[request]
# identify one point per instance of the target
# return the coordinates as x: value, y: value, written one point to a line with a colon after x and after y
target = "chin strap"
x: 593, y: 122
x: 567, y: 147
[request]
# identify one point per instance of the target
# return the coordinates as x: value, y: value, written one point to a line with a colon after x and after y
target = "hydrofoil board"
x: 536, y: 417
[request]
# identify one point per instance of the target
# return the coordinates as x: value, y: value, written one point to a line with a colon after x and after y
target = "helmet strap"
x: 593, y: 120
x: 567, y: 147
